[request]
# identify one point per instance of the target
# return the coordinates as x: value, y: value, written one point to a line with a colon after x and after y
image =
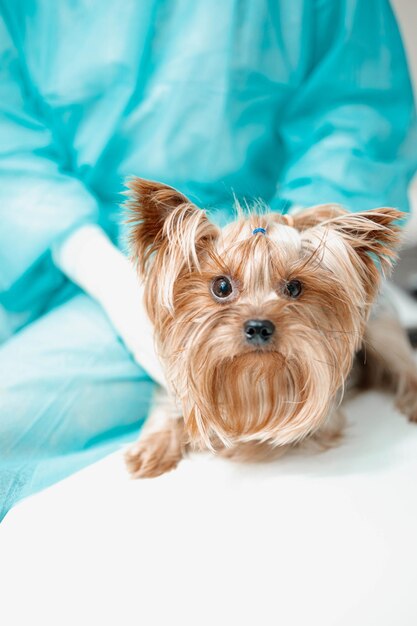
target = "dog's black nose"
x: 258, y: 332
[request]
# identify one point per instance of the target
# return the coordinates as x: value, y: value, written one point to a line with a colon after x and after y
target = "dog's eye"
x: 293, y: 288
x: 221, y: 287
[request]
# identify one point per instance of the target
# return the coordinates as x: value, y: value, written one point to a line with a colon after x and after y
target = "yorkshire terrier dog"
x: 258, y: 325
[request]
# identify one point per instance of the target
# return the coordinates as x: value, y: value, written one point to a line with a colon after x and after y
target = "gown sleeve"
x: 349, y: 132
x: 41, y: 201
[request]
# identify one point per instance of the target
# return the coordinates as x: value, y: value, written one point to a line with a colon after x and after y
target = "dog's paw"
x: 253, y: 452
x: 154, y: 454
x: 327, y: 436
x: 406, y: 401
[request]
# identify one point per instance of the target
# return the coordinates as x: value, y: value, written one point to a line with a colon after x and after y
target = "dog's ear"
x: 373, y: 235
x: 316, y: 215
x: 168, y: 232
x: 149, y: 205
x: 357, y: 247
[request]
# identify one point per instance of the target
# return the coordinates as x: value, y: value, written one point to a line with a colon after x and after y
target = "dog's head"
x: 257, y: 323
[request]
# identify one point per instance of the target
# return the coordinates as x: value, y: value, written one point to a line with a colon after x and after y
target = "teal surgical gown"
x: 295, y: 102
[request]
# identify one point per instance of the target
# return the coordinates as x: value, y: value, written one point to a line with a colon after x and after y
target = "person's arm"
x: 90, y: 260
x: 348, y: 131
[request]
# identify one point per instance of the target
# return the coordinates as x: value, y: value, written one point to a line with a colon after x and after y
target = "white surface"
x: 327, y: 540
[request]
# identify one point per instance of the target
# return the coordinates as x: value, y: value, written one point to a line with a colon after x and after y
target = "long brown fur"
x: 232, y: 394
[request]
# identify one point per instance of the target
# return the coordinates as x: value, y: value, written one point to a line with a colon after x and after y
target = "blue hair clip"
x: 259, y: 230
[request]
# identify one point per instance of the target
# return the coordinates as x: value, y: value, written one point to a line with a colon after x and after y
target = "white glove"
x: 89, y: 259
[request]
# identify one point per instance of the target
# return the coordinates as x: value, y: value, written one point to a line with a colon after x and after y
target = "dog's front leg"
x: 162, y: 443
